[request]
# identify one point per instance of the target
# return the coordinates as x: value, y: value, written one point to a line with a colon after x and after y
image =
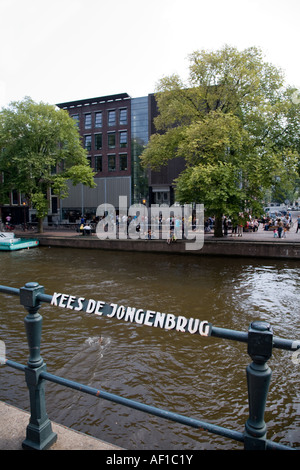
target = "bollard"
x: 260, y: 343
x: 39, y: 434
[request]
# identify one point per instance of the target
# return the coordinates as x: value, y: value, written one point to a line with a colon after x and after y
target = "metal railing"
x: 259, y: 338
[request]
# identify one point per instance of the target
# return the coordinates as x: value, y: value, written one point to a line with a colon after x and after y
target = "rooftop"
x: 97, y: 100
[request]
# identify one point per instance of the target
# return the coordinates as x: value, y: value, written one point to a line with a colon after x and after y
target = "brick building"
x: 104, y: 124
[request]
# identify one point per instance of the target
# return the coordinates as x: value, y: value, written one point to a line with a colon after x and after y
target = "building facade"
x: 104, y: 125
x: 115, y: 130
x: 15, y: 207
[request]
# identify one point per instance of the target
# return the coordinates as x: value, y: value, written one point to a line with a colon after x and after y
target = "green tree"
x: 40, y: 149
x: 235, y: 125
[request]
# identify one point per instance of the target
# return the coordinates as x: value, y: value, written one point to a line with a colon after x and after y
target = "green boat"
x: 8, y: 242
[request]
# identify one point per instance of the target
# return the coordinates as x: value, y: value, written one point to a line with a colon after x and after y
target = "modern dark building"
x: 161, y: 183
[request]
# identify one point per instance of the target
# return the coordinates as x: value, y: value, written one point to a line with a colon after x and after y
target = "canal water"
x: 200, y: 377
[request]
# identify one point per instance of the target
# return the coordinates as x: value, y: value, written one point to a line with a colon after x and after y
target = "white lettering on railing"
x: 133, y: 315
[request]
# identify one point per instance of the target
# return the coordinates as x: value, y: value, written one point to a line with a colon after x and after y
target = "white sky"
x: 63, y: 50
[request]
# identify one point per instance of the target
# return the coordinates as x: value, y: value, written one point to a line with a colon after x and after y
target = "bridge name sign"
x: 140, y: 316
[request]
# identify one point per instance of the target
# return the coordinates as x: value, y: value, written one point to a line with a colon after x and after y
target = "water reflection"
x: 194, y: 376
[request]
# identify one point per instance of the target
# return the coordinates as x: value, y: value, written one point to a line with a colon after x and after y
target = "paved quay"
x: 13, y: 433
x: 260, y: 244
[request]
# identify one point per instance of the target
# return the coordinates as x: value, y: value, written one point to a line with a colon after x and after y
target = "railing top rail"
x: 91, y: 306
x: 9, y: 290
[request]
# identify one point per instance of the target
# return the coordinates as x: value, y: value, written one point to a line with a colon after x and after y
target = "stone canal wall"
x: 257, y: 248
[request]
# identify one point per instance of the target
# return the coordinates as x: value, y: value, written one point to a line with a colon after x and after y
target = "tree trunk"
x: 218, y: 232
x: 40, y: 225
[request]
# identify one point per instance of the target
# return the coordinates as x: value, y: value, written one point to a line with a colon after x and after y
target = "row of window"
x: 113, y: 163
x: 111, y: 140
x: 113, y: 117
x: 14, y: 198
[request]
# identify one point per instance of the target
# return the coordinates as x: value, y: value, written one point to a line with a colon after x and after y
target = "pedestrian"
x: 8, y: 223
x: 240, y: 224
x: 87, y: 229
x: 225, y: 224
x: 298, y: 223
x: 234, y: 225
x: 280, y: 228
x: 177, y: 227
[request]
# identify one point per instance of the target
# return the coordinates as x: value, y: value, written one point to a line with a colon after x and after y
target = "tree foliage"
x: 236, y: 125
x: 40, y: 149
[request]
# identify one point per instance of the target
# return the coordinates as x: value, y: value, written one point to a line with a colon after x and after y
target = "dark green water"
x: 192, y: 375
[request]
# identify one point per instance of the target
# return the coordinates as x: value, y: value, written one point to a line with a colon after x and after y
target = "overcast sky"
x: 64, y: 50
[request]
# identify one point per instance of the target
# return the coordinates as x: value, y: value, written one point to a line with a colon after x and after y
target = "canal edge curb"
x: 14, y: 432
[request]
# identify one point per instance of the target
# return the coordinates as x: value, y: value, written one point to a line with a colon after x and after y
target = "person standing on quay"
x: 280, y: 228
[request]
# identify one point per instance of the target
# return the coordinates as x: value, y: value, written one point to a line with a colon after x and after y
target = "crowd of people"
x: 280, y: 224
x: 236, y: 224
x: 245, y: 222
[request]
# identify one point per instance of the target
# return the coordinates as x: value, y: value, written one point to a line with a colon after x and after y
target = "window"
x: 111, y: 136
x: 123, y: 139
x: 98, y: 163
x: 123, y: 116
x: 15, y: 197
x: 98, y: 141
x: 89, y: 158
x: 88, y: 142
x: 54, y: 204
x: 98, y: 119
x: 112, y: 118
x: 123, y: 161
x: 111, y: 163
x: 87, y: 121
x: 76, y: 119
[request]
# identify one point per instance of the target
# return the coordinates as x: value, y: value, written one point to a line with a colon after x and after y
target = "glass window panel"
x: 98, y: 163
x: 88, y: 142
x: 88, y: 121
x: 123, y: 139
x: 112, y: 118
x: 15, y: 197
x: 123, y: 161
x: 111, y: 139
x: 75, y: 117
x: 123, y: 116
x: 98, y: 119
x: 111, y: 162
x: 98, y: 141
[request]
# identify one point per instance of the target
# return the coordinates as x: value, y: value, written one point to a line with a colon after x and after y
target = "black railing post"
x: 39, y: 434
x: 260, y: 343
